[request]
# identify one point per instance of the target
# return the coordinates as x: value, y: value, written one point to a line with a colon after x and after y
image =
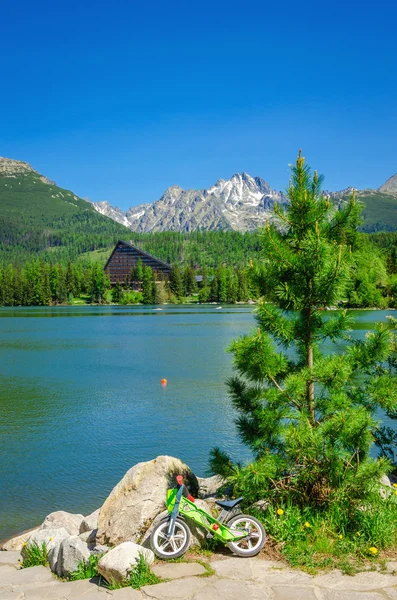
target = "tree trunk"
x: 309, y: 364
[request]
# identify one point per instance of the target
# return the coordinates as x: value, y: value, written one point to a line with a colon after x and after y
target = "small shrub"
x: 313, y: 538
x: 87, y: 570
x: 34, y: 555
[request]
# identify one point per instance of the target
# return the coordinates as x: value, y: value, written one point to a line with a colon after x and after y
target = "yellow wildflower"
x: 373, y: 550
x: 358, y: 533
x: 395, y: 485
x: 280, y: 511
x: 49, y: 539
x: 24, y: 544
x: 340, y: 536
x: 307, y: 525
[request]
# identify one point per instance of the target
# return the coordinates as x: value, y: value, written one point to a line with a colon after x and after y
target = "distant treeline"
x: 227, y: 261
x: 40, y: 284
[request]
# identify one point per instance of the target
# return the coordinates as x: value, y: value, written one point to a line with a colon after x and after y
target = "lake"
x: 81, y: 399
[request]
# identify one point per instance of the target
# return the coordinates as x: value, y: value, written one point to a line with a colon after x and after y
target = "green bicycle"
x: 243, y: 534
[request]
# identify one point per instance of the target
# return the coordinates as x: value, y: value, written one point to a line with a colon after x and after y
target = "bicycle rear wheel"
x: 253, y: 543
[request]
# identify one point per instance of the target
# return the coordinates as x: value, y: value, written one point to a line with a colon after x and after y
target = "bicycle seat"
x: 228, y: 504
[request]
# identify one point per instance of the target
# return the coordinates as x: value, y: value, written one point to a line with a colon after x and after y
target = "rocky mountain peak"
x: 390, y: 186
x: 14, y: 168
x: 241, y: 202
x: 10, y: 167
x: 171, y: 194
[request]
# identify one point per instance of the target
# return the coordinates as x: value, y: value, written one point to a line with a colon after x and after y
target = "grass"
x: 34, y: 555
x: 314, y: 540
x: 208, y: 569
x: 140, y: 575
x: 87, y: 570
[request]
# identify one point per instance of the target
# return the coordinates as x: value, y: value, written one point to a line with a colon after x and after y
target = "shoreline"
x: 5, y: 540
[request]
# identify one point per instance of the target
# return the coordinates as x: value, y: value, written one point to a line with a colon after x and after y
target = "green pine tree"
x: 117, y: 292
x: 147, y: 286
x: 176, y: 284
x: 309, y: 419
x: 189, y: 281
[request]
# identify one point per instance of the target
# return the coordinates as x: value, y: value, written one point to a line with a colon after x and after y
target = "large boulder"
x: 209, y: 486
x: 90, y: 522
x: 16, y: 543
x: 60, y: 518
x: 117, y: 564
x: 52, y: 538
x: 72, y: 551
x: 139, y: 497
x: 197, y: 534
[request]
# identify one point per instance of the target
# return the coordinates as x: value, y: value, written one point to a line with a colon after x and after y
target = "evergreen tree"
x: 117, y: 292
x: 99, y: 284
x: 70, y: 280
x: 46, y: 295
x: 309, y: 418
x: 214, y: 288
x: 189, y: 281
x: 147, y: 286
x: 176, y: 285
x: 222, y: 285
x: 242, y: 286
x: 137, y: 274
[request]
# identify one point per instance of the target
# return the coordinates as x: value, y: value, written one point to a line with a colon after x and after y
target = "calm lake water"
x: 81, y: 399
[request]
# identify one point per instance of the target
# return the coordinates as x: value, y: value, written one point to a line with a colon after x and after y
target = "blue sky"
x: 119, y: 100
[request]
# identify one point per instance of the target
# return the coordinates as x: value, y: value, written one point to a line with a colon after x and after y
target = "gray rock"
x: 60, y: 518
x: 209, y: 486
x: 89, y: 537
x: 50, y: 537
x: 138, y: 498
x: 72, y: 551
x: 90, y: 522
x: 16, y: 543
x: 117, y: 564
x: 99, y: 549
x: 261, y: 505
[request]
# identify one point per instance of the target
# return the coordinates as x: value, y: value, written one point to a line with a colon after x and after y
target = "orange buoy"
x: 163, y: 382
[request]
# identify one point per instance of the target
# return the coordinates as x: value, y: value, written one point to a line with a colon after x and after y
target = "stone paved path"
x: 234, y: 579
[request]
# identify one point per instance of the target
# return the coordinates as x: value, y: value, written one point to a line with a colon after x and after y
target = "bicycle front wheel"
x: 253, y: 543
x: 173, y: 547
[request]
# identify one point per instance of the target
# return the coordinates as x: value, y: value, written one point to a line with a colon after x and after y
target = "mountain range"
x: 36, y: 214
x: 240, y: 203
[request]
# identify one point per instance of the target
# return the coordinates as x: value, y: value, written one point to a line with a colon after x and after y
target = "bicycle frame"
x: 179, y: 504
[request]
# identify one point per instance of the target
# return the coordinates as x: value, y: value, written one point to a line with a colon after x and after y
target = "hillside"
x: 380, y: 211
x: 39, y: 217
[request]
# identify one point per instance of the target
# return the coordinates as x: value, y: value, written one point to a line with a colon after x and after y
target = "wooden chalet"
x: 124, y: 259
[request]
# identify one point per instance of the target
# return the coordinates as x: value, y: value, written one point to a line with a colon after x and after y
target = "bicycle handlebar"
x: 179, y: 480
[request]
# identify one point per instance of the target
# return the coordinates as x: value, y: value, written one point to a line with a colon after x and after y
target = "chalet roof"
x: 130, y: 245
